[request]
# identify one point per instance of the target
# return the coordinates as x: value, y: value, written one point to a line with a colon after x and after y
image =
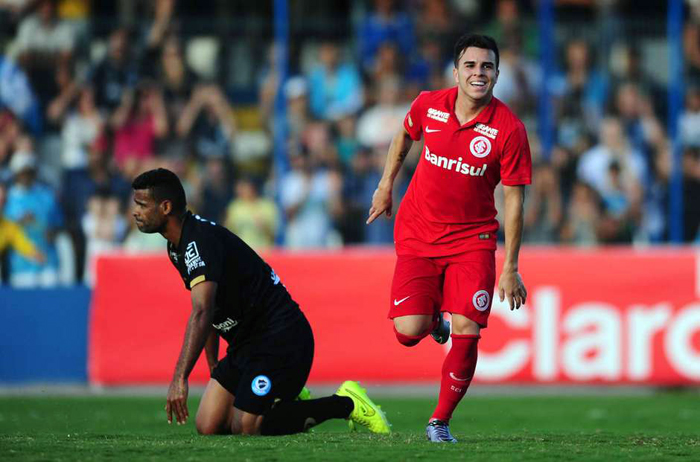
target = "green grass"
x: 657, y: 427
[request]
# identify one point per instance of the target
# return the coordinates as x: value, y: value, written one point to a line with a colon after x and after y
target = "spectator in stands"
x: 76, y: 13
x: 178, y: 84
x: 388, y: 63
x: 388, y: 112
x: 632, y: 71
x: 174, y: 76
x: 298, y: 114
x: 17, y: 95
x: 358, y: 186
x: 116, y: 74
x: 690, y: 119
x: 309, y: 195
x: 594, y: 166
x: 510, y: 21
x: 385, y: 24
x: 138, y: 123
x: 104, y: 227
x: 215, y: 192
x: 268, y: 83
x: 436, y: 21
x: 79, y: 185
x: 251, y: 217
x: 518, y: 77
x: 346, y: 143
x: 425, y: 71
x: 691, y: 41
x: 581, y: 93
x: 43, y: 41
x: 67, y: 90
x: 81, y: 125
x: 10, y: 133
x: 34, y: 207
x: 646, y: 135
x: 543, y: 208
x: 621, y: 203
x: 208, y: 121
x: 12, y: 237
x: 691, y: 193
x: 335, y: 87
x: 161, y: 30
x: 583, y: 217
x: 636, y: 114
x: 382, y: 231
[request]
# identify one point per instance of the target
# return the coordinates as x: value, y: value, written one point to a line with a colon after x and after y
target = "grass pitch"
x: 663, y: 426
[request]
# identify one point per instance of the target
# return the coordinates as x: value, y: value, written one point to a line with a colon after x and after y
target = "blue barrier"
x: 43, y: 335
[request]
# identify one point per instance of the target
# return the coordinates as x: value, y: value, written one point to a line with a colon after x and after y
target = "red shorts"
x: 461, y: 284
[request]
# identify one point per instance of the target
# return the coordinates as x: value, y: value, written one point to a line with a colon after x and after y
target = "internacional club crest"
x: 481, y: 300
x: 480, y: 147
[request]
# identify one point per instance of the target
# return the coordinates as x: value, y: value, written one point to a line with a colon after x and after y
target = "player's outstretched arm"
x: 381, y: 200
x: 510, y: 284
x: 198, y: 329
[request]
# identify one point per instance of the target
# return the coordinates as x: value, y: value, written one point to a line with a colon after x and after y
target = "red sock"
x: 457, y: 372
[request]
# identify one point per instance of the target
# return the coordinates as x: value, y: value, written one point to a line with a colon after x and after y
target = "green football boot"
x: 364, y: 412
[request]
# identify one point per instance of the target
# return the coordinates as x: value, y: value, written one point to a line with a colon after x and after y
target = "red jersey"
x: 449, y: 206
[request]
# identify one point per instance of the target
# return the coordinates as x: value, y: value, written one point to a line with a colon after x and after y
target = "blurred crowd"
x: 88, y: 103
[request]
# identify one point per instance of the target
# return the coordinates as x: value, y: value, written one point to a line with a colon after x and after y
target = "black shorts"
x: 268, y: 369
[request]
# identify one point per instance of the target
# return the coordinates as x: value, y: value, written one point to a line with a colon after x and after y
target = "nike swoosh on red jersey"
x: 398, y: 302
x: 428, y: 130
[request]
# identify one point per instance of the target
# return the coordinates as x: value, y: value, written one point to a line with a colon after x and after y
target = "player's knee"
x: 409, y: 335
x: 461, y: 325
x: 408, y: 340
x: 413, y: 326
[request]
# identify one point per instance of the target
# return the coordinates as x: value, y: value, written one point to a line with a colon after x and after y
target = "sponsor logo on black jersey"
x: 226, y: 325
x: 192, y: 258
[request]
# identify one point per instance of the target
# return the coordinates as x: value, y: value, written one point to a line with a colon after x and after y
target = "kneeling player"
x: 237, y: 296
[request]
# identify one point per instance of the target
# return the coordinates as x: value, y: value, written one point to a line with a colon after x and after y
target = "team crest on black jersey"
x: 192, y: 258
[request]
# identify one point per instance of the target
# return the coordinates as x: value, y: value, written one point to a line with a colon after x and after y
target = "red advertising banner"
x: 617, y: 316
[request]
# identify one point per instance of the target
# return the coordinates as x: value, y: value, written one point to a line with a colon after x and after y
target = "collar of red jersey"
x: 484, y: 117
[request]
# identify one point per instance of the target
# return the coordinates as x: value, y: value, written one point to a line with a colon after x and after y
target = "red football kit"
x: 448, y: 217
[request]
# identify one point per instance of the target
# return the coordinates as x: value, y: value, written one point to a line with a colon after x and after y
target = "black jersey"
x: 251, y: 302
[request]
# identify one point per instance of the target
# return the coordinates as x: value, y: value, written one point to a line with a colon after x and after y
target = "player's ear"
x: 455, y: 74
x: 166, y: 207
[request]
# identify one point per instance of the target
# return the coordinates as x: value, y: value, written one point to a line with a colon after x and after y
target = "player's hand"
x: 177, y: 401
x: 511, y: 286
x: 381, y: 203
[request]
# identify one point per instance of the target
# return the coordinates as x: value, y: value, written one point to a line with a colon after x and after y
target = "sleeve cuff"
x: 516, y: 181
x: 409, y: 130
x: 197, y: 280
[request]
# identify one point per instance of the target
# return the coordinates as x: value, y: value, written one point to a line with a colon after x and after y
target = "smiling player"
x: 445, y: 231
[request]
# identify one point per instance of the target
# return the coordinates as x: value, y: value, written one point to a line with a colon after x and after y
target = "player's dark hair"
x: 477, y: 41
x: 164, y: 185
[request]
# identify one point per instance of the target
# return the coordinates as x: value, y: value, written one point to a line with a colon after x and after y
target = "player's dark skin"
x: 216, y: 413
